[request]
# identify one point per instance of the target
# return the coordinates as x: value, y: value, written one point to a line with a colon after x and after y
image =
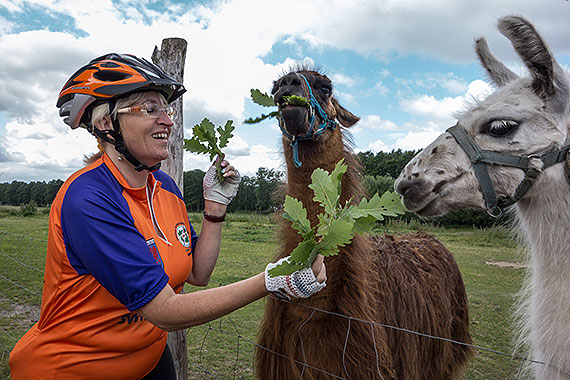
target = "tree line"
x: 260, y: 193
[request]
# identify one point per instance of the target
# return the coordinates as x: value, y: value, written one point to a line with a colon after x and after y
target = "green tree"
x: 386, y: 164
x: 51, y: 189
x: 267, y: 183
x: 245, y: 199
x: 378, y: 184
x: 193, y: 193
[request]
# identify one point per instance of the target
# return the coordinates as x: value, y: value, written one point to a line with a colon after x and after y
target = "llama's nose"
x: 408, y: 186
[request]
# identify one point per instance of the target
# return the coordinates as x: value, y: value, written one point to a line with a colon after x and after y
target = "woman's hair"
x: 102, y: 110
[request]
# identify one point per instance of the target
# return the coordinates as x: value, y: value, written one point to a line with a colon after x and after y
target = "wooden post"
x: 171, y: 58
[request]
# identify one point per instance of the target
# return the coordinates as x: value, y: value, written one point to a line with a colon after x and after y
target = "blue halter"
x: 312, y: 133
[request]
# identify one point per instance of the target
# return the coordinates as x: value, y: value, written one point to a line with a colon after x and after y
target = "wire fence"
x: 21, y: 277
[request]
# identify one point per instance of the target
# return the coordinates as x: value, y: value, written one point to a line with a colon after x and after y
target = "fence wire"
x: 21, y: 278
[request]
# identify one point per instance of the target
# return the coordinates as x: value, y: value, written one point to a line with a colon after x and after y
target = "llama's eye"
x: 501, y: 128
x: 325, y: 91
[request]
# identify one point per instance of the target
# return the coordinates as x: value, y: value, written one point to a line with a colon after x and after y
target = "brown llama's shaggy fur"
x: 411, y: 282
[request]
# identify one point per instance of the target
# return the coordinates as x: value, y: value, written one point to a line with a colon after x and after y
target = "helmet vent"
x: 111, y: 76
x: 109, y: 64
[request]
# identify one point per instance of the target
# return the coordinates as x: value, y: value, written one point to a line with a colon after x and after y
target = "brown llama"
x: 411, y: 282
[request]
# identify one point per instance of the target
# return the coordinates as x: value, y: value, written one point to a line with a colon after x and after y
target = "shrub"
x: 29, y: 209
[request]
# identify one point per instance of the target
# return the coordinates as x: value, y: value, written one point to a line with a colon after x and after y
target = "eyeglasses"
x: 151, y: 110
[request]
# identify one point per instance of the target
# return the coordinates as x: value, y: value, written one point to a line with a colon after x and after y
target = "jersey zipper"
x: 150, y: 197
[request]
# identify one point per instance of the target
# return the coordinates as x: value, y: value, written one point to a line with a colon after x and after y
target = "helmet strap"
x: 117, y: 141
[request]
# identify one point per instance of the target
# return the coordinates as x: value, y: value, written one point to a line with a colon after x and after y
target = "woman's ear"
x: 104, y: 123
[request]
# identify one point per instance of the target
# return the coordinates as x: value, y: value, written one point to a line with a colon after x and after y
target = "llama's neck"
x: 299, y: 179
x: 545, y: 219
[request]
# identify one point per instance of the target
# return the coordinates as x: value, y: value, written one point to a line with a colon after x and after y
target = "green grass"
x: 223, y: 347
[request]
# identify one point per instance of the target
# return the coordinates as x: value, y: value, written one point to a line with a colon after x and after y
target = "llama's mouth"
x: 430, y: 202
x: 295, y: 118
x: 422, y: 206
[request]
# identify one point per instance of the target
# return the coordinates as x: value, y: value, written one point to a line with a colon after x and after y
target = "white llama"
x: 512, y: 147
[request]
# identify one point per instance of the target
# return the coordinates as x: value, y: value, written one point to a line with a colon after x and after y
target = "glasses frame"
x: 142, y: 108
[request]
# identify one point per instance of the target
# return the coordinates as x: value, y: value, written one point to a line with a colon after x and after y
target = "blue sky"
x: 404, y: 67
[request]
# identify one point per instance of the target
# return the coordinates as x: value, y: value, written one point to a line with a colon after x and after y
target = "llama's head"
x: 500, y: 146
x: 311, y: 123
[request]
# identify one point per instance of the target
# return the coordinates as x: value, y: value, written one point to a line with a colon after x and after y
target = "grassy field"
x: 223, y: 349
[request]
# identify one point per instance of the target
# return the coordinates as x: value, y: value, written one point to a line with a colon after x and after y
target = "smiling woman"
x: 120, y: 245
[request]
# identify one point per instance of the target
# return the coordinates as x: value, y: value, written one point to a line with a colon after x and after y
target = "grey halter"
x: 481, y: 158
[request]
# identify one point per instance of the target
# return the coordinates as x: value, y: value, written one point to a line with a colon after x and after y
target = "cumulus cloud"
x: 228, y: 45
x: 378, y: 146
x: 415, y: 140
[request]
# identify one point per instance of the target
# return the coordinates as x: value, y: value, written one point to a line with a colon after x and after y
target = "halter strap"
x: 312, y: 133
x: 480, y: 159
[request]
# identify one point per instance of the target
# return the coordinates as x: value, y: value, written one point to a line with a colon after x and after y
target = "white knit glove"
x: 220, y: 192
x: 299, y: 284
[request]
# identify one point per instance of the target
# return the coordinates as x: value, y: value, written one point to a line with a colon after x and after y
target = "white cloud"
x: 378, y: 146
x: 227, y: 45
x: 442, y: 111
x: 374, y: 123
x: 342, y: 79
x: 415, y: 140
x: 429, y: 106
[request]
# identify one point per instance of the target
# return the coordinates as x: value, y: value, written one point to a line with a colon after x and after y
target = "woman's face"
x: 146, y: 137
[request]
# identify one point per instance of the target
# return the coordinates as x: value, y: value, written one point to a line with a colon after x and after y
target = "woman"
x: 120, y: 245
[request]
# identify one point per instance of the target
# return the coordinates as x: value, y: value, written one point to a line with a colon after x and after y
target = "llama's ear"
x: 498, y: 72
x: 345, y: 117
x: 548, y: 75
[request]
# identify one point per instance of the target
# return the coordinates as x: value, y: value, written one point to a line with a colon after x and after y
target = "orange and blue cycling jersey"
x: 111, y: 249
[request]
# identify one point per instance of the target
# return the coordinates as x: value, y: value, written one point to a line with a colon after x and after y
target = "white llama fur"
x: 441, y: 179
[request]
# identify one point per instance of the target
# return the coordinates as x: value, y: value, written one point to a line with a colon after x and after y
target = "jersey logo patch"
x: 154, y: 251
x: 182, y: 235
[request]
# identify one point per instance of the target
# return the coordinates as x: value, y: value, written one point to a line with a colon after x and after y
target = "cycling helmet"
x: 109, y: 77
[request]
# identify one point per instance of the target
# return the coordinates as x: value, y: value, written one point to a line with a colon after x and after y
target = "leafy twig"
x: 206, y: 133
x: 337, y: 223
x: 265, y: 100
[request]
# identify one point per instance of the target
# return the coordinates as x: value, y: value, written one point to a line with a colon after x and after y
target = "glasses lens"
x: 151, y: 109
x: 170, y: 111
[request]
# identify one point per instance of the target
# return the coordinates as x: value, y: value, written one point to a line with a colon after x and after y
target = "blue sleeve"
x: 101, y: 240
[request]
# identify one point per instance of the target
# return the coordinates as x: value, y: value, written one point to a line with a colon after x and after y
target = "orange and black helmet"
x: 108, y: 77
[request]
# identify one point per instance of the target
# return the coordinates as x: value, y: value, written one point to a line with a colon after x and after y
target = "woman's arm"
x: 217, y: 196
x: 170, y: 311
x: 207, y: 247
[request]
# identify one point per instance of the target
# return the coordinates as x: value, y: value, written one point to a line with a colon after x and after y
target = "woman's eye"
x: 499, y: 128
x: 151, y: 109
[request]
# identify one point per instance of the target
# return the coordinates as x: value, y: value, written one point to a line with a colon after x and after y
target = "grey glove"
x: 220, y: 192
x: 301, y: 283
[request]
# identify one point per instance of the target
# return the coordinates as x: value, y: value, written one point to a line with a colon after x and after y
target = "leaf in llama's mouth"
x: 295, y: 100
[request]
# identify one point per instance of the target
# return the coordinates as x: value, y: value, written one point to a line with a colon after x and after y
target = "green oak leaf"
x: 205, y: 141
x: 326, y: 193
x: 337, y: 235
x: 391, y: 204
x: 364, y: 224
x: 302, y: 252
x: 337, y: 224
x: 337, y: 173
x: 226, y: 133
x: 261, y: 98
x: 297, y: 214
x: 285, y: 268
x: 193, y: 145
x: 294, y: 100
x: 261, y: 118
